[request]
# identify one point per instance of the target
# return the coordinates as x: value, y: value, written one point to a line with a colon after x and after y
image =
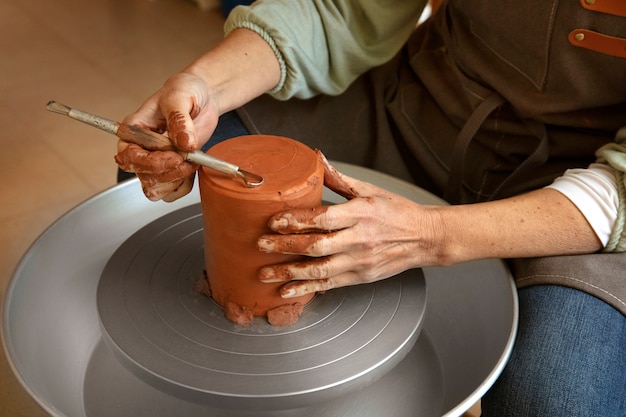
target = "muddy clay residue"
x: 238, y: 314
x: 285, y: 315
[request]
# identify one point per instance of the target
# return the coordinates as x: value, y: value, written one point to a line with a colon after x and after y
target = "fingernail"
x: 279, y: 223
x: 265, y: 245
x: 287, y: 292
x: 267, y: 276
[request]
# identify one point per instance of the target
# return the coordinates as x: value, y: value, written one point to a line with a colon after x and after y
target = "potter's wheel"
x: 52, y: 335
x: 179, y: 341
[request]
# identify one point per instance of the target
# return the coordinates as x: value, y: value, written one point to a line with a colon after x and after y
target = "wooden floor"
x: 102, y: 56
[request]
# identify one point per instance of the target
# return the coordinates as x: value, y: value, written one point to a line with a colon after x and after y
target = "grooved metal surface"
x: 52, y: 334
x: 166, y: 332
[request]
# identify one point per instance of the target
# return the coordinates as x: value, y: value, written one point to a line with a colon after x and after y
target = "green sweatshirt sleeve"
x: 614, y: 155
x: 324, y: 45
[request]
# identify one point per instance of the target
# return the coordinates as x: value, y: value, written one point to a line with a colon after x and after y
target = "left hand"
x: 373, y: 236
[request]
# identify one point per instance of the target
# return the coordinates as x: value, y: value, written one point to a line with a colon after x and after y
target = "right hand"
x: 182, y: 110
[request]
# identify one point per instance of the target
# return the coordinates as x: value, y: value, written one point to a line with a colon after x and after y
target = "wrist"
x: 444, y: 236
x: 239, y: 69
x: 435, y: 240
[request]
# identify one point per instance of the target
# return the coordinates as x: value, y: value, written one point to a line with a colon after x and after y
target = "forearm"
x: 540, y: 223
x: 239, y: 69
x: 324, y: 45
x: 594, y: 190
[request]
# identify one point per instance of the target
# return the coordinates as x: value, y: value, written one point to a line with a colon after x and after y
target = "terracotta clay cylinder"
x: 235, y: 216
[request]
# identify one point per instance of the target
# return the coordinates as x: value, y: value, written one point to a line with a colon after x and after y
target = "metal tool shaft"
x: 91, y: 119
x: 200, y: 158
x: 153, y: 141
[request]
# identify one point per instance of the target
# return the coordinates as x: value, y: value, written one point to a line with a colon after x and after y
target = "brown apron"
x: 429, y: 118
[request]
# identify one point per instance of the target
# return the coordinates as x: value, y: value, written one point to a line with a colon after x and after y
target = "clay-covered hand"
x: 374, y: 235
x: 182, y: 110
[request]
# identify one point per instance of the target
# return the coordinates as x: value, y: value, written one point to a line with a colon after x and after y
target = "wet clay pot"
x: 235, y: 216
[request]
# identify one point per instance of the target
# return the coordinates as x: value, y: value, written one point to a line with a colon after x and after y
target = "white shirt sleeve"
x: 594, y: 192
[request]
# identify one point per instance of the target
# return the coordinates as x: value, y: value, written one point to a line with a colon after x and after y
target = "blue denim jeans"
x: 569, y: 359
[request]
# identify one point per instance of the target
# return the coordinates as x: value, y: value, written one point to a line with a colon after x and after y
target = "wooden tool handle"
x: 145, y: 138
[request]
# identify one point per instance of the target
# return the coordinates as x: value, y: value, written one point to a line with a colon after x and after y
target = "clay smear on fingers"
x: 301, y: 244
x: 298, y: 221
x: 136, y: 159
x: 176, y: 123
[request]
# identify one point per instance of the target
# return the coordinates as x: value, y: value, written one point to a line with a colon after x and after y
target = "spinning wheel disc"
x: 179, y: 341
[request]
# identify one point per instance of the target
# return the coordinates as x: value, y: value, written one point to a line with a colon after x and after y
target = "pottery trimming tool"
x: 153, y: 141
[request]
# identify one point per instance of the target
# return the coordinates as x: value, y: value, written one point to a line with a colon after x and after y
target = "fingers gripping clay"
x: 235, y: 216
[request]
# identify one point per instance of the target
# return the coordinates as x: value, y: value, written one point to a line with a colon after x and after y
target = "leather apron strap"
x: 535, y: 159
x: 467, y: 133
x: 457, y: 166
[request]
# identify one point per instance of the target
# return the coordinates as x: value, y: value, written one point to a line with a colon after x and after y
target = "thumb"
x: 180, y: 102
x: 341, y: 184
x: 181, y: 129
